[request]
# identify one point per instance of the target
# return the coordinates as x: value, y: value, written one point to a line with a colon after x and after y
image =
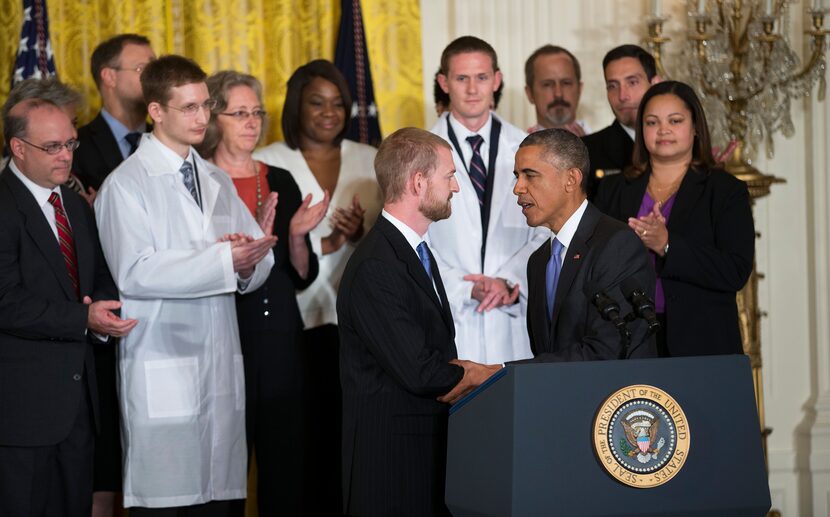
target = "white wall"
x: 793, y: 251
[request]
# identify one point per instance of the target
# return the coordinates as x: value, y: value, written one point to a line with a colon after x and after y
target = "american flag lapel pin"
x: 577, y: 256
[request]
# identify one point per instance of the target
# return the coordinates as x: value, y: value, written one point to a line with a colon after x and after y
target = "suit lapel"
x: 626, y: 144
x: 539, y: 317
x: 574, y: 258
x: 446, y: 314
x: 105, y: 142
x: 632, y: 194
x: 39, y: 230
x: 414, y: 267
x: 688, y: 193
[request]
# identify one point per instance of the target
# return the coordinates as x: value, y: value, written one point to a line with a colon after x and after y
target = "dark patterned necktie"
x: 189, y: 180
x: 133, y: 139
x: 66, y: 242
x: 478, y: 174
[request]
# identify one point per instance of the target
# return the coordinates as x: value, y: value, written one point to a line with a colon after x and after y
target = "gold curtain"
x: 266, y: 38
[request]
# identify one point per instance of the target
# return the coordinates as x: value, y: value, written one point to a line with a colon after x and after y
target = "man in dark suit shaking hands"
x: 588, y: 252
x: 397, y: 354
x: 56, y: 299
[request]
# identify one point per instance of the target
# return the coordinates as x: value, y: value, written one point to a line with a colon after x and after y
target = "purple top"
x: 645, y: 208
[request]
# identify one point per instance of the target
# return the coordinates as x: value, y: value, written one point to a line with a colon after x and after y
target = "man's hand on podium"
x: 474, y: 375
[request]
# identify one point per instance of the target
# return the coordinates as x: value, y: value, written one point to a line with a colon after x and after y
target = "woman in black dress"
x: 270, y: 325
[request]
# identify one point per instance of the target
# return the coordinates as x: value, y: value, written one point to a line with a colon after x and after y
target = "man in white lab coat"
x: 179, y: 243
x: 483, y: 248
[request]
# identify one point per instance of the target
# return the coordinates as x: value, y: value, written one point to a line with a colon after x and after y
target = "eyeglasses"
x: 245, y: 115
x: 55, y: 148
x: 137, y: 69
x: 191, y: 109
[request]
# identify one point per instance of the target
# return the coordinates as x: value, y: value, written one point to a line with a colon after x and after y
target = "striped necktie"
x: 66, y: 242
x: 478, y: 174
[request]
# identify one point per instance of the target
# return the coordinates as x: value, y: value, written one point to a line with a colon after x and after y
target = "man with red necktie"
x: 56, y: 300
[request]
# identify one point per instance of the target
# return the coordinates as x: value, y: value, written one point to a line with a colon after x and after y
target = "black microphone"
x: 643, y: 305
x: 609, y: 310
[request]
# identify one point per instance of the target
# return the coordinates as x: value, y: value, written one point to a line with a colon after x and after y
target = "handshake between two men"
x: 475, y: 375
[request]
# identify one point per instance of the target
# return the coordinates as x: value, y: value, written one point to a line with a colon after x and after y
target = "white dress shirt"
x: 568, y: 230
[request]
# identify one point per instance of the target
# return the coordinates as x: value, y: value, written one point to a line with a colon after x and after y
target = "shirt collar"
x: 119, y: 130
x: 462, y: 132
x: 171, y: 157
x: 568, y: 230
x: 629, y: 130
x: 41, y: 194
x: 409, y: 234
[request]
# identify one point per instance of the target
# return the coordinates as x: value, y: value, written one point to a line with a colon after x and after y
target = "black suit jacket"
x: 609, y: 150
x: 711, y: 252
x: 602, y: 254
x: 45, y: 355
x: 396, y: 339
x: 98, y: 154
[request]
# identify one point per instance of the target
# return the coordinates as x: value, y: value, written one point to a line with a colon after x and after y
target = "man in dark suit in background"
x: 396, y: 333
x: 629, y: 72
x: 588, y: 252
x: 114, y: 134
x: 55, y: 293
x: 111, y: 137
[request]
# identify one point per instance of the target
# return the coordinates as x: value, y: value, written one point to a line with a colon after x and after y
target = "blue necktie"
x: 189, y: 180
x: 478, y: 174
x: 423, y: 254
x: 552, y: 273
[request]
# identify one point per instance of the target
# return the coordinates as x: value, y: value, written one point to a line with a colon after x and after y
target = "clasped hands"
x: 247, y: 251
x: 651, y: 229
x: 492, y: 293
x: 474, y: 375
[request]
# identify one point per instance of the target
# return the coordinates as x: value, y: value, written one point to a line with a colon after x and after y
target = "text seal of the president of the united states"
x: 641, y: 436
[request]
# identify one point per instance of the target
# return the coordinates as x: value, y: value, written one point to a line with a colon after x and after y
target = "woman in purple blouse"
x: 694, y: 218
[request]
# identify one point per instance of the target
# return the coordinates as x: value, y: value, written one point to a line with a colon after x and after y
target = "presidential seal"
x: 641, y: 436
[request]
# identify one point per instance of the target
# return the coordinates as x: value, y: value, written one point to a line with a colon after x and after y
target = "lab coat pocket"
x: 239, y: 381
x: 172, y: 387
